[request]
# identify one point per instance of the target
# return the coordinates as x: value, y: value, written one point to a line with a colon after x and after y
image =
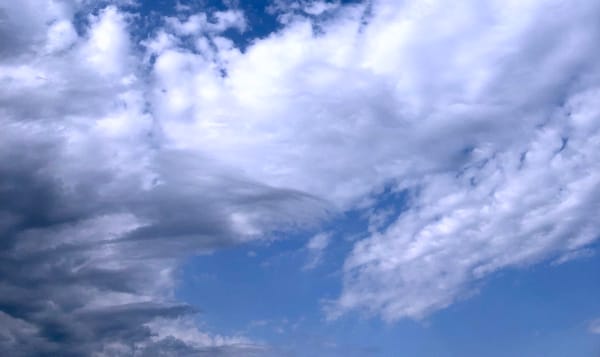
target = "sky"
x: 300, y: 178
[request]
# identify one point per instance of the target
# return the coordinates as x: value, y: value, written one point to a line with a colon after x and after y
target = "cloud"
x: 594, y: 327
x: 119, y: 159
x: 95, y: 214
x: 200, y: 23
x: 511, y: 210
x: 481, y: 114
x: 315, y: 249
x: 509, y: 201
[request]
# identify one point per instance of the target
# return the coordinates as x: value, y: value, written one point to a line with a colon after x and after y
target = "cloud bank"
x: 121, y: 154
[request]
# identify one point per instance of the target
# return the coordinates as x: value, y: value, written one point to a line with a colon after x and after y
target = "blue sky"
x: 299, y: 178
x: 539, y: 312
x: 262, y: 291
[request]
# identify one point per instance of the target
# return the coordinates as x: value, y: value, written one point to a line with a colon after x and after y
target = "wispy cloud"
x: 315, y: 249
x: 594, y: 326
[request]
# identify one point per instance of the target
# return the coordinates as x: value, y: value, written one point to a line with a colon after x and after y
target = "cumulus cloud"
x: 120, y: 158
x: 482, y: 113
x: 95, y: 213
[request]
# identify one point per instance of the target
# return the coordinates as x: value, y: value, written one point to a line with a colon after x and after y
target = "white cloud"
x: 509, y: 209
x: 482, y: 112
x: 202, y: 24
x: 108, y: 47
x: 61, y: 35
x: 594, y: 327
x: 316, y: 248
x: 286, y: 9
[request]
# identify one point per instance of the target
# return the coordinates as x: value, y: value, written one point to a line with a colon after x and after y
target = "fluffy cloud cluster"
x: 95, y: 213
x: 119, y: 157
x: 484, y: 114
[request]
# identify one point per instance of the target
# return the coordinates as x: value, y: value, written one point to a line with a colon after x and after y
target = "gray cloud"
x: 94, y: 213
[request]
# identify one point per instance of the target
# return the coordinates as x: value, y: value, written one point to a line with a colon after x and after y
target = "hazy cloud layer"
x: 120, y: 155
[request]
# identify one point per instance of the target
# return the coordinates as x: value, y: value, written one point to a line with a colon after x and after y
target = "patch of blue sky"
x: 260, y: 292
x: 264, y: 283
x: 260, y: 18
x: 262, y: 288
